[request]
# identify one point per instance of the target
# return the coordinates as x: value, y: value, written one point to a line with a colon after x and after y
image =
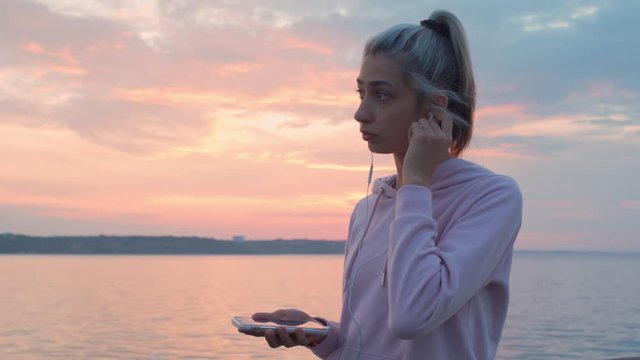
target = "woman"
x: 429, y: 252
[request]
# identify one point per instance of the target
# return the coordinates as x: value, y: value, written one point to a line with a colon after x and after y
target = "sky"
x: 222, y: 118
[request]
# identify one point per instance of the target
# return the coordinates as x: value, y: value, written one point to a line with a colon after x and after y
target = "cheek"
x: 402, y: 128
x: 403, y: 122
x: 397, y: 136
x: 401, y: 132
x: 397, y: 121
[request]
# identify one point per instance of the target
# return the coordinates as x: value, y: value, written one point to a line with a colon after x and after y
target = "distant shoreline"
x: 158, y: 245
x: 189, y: 245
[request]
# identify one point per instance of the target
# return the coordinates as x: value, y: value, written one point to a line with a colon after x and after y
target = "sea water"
x: 563, y: 305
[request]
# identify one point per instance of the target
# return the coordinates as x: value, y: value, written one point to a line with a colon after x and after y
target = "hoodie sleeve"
x: 428, y: 282
x: 330, y: 343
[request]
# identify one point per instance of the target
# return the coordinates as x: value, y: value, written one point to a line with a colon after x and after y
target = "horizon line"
x: 529, y: 250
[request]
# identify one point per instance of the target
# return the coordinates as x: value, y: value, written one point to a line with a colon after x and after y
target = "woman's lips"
x: 366, y: 136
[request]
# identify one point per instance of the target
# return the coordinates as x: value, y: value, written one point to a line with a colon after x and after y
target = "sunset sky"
x: 222, y: 118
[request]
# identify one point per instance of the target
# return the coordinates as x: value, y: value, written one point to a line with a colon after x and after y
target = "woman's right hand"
x: 429, y: 144
x: 280, y: 337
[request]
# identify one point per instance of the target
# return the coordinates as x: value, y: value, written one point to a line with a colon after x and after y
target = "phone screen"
x: 258, y: 328
x: 288, y: 323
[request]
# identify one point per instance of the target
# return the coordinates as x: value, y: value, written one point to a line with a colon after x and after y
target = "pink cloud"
x: 64, y: 54
x: 33, y: 48
x: 294, y: 43
x: 192, y: 71
x: 630, y: 204
x: 237, y: 68
x: 602, y: 90
x: 514, y: 111
x: 86, y: 183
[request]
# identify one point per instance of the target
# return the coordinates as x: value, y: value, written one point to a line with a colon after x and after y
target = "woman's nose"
x: 362, y: 114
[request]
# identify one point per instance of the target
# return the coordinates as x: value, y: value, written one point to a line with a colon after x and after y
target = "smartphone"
x: 247, y: 324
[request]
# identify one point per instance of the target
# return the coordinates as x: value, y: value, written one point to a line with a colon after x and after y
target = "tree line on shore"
x: 106, y: 244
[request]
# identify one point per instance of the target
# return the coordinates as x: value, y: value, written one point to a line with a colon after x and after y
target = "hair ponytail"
x: 464, y: 86
x: 435, y: 59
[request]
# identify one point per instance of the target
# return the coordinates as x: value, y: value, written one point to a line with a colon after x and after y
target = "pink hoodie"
x: 445, y: 256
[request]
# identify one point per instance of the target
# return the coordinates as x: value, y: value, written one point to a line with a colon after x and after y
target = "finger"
x: 443, y: 126
x: 262, y: 316
x: 278, y: 314
x: 252, y: 333
x: 284, y: 337
x: 432, y: 126
x: 414, y: 127
x: 272, y: 339
x: 300, y: 337
x: 433, y: 119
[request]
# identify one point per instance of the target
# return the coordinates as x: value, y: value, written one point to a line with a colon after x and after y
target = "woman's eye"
x: 381, y: 95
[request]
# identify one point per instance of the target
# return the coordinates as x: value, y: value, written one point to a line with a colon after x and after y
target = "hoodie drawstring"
x: 357, y: 250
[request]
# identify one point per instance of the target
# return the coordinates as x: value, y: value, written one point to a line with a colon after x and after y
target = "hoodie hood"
x: 451, y: 172
x: 386, y: 186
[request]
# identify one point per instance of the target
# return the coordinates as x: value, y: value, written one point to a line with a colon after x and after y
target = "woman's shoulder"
x: 463, y: 173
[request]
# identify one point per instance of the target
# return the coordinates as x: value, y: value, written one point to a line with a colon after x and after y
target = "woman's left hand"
x: 428, y: 147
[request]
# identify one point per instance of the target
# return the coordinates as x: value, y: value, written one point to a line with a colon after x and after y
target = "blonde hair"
x: 436, y: 61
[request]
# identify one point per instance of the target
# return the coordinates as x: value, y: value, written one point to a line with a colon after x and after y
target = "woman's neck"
x: 399, y: 160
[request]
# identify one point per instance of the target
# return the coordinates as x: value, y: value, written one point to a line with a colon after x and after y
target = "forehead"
x: 380, y: 69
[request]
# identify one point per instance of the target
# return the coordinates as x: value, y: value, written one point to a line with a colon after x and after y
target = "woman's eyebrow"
x: 375, y: 82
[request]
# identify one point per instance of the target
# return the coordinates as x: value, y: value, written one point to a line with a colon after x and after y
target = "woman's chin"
x: 377, y: 149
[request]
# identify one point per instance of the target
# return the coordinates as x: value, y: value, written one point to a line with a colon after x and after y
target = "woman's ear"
x: 440, y: 101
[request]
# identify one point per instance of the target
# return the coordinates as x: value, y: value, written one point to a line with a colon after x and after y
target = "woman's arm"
x: 428, y: 282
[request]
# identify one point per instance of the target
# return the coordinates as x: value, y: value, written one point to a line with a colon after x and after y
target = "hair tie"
x: 440, y: 28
